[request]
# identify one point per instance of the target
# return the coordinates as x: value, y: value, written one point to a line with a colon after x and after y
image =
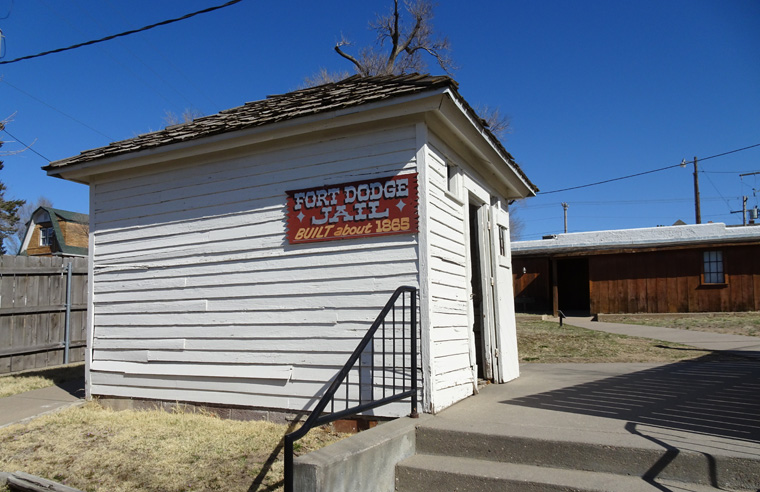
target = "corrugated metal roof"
x: 350, y: 92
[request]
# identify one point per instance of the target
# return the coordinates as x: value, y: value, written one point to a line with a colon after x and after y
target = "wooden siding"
x: 35, y: 248
x: 665, y: 281
x: 192, y: 270
x: 450, y: 337
x: 670, y: 282
x: 75, y: 234
x: 533, y: 289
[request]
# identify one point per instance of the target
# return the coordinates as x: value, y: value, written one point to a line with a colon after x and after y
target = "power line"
x: 645, y: 172
x: 157, y: 50
x: 718, y: 191
x: 127, y: 68
x: 25, y: 145
x: 533, y: 206
x: 729, y: 152
x: 126, y: 33
x: 10, y: 9
x: 721, y: 172
x: 58, y: 110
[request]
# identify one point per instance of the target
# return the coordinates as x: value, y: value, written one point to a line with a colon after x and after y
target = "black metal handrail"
x: 316, y: 418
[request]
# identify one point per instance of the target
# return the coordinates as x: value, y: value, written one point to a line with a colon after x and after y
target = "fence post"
x: 67, y: 319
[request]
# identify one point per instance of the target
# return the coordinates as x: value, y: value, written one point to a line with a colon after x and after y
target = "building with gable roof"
x: 237, y: 259
x: 54, y: 232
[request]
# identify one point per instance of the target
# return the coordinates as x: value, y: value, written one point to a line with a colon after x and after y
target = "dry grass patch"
x: 96, y: 449
x: 546, y: 341
x: 14, y: 384
x: 747, y: 324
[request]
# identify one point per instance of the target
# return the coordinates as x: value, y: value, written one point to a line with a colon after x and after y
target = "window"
x: 713, y: 267
x: 452, y: 179
x: 46, y: 236
x: 503, y: 238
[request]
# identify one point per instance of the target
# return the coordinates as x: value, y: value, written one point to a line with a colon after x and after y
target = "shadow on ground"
x: 703, y: 396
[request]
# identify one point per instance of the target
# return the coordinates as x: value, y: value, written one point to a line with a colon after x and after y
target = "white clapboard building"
x: 236, y: 259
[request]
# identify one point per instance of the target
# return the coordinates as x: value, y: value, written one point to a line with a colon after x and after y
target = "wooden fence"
x: 34, y: 311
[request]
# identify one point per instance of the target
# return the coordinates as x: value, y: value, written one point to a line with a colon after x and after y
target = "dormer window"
x: 46, y: 236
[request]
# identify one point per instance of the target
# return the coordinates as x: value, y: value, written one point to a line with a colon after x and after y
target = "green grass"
x: 747, y: 324
x: 95, y: 449
x: 40, y: 378
x: 546, y: 341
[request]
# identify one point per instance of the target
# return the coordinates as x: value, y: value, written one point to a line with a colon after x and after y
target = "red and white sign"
x: 376, y: 207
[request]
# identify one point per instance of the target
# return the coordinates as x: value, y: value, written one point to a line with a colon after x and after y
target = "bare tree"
x: 188, y: 115
x: 499, y: 124
x: 323, y: 76
x: 516, y: 223
x: 8, y: 208
x: 410, y: 37
x: 408, y: 42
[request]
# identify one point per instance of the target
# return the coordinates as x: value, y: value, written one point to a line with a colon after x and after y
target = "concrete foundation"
x: 366, y: 461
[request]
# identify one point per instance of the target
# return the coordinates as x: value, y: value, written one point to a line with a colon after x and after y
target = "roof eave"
x: 494, y: 159
x: 407, y: 105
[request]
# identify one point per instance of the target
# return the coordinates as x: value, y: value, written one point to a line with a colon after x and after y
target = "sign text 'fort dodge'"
x: 377, y: 207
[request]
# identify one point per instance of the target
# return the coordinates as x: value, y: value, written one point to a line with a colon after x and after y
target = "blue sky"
x: 595, y: 89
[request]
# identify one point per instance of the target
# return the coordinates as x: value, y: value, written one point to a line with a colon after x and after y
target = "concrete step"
x: 620, y: 455
x: 423, y: 473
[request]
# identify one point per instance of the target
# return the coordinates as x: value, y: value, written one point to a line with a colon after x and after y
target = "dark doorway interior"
x: 477, y: 289
x: 573, y: 287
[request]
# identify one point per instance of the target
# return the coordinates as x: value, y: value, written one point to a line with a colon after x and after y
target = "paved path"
x: 25, y: 406
x: 743, y: 345
x: 597, y: 402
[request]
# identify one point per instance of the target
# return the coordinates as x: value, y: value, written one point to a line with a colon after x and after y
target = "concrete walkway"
x: 707, y: 412
x: 738, y: 344
x: 700, y: 418
x: 633, y: 404
x: 25, y: 406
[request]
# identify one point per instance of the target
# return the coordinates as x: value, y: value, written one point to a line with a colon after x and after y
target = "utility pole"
x: 564, y: 207
x: 743, y: 211
x: 752, y: 212
x: 697, y: 207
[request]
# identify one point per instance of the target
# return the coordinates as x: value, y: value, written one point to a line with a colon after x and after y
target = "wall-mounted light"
x: 525, y: 270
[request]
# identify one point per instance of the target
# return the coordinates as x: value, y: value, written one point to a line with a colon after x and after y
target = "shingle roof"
x: 350, y: 92
x: 68, y: 216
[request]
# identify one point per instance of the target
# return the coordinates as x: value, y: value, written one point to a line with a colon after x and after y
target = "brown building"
x: 53, y: 232
x: 677, y: 269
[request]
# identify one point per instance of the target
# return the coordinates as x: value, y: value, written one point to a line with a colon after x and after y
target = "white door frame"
x: 477, y: 196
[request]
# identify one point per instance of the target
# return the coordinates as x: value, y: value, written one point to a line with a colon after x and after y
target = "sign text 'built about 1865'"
x: 376, y: 207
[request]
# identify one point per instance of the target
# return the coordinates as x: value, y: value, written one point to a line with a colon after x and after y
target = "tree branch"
x: 418, y: 11
x: 348, y: 57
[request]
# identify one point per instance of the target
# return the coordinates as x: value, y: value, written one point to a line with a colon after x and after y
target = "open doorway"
x: 573, y: 294
x: 480, y: 297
